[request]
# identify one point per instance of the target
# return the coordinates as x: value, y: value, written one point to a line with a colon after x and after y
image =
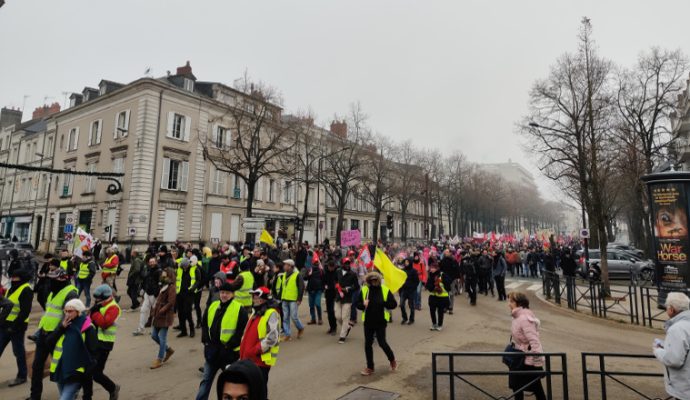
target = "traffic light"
x: 389, y: 221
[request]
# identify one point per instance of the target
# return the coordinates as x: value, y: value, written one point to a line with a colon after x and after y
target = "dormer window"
x: 188, y: 85
x: 102, y: 89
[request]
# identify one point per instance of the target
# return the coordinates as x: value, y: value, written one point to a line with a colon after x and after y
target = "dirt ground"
x: 317, y: 367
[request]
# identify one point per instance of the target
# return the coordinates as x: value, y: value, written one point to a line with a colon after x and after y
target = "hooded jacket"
x: 246, y: 371
x: 674, y: 356
x: 525, y: 333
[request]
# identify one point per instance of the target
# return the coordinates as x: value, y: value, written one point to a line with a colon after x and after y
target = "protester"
x: 525, y: 337
x: 241, y: 380
x: 438, y: 285
x: 408, y: 292
x: 376, y: 302
x: 347, y: 285
x: 186, y: 281
x: 135, y: 278
x: 291, y: 289
x: 110, y: 266
x: 499, y: 275
x: 330, y: 279
x: 315, y: 284
x: 673, y: 352
x: 163, y: 316
x: 87, y: 270
x: 13, y: 326
x: 151, y: 286
x: 104, y: 316
x: 421, y: 271
x: 42, y: 287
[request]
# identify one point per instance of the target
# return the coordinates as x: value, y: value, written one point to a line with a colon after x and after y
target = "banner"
x: 350, y: 238
x: 669, y: 203
x: 82, y: 242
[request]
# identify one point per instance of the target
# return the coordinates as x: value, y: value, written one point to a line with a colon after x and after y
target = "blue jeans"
x: 68, y: 391
x: 290, y: 309
x: 418, y: 298
x: 207, y: 381
x: 160, y: 336
x: 84, y: 285
x: 315, y: 304
x: 17, y: 339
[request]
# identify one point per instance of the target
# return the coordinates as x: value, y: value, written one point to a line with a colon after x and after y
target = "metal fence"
x: 557, y: 368
x: 607, y: 374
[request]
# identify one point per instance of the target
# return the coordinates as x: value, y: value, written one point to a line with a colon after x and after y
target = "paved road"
x: 317, y: 367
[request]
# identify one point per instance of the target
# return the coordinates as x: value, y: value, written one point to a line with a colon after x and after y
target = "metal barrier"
x: 616, y: 375
x: 464, y: 375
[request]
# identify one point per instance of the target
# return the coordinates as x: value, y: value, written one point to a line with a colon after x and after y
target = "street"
x: 317, y: 367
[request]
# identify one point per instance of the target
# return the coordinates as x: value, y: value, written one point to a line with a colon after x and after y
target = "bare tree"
x: 377, y: 178
x: 408, y: 184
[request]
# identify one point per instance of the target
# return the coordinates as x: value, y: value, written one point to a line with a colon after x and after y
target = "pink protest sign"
x: 350, y: 238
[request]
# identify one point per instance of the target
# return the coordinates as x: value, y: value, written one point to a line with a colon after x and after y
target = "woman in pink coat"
x: 525, y: 337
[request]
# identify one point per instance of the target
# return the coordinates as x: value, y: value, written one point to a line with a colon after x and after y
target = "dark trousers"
x: 437, y: 307
x: 380, y: 333
x: 264, y: 372
x: 330, y: 309
x: 184, y: 311
x: 40, y: 357
x: 197, y: 307
x: 133, y: 293
x: 500, y: 286
x: 407, y: 298
x: 17, y: 340
x: 99, y: 376
x: 471, y: 288
x: 515, y: 382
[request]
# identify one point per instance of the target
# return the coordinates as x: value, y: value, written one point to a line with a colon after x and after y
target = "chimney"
x: 186, y: 70
x: 46, y: 110
x: 9, y: 117
x: 339, y: 128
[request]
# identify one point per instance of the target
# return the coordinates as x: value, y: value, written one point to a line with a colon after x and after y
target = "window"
x: 67, y: 185
x: 330, y: 202
x: 49, y: 146
x: 221, y: 137
x: 175, y: 173
x: 188, y: 85
x: 365, y: 232
x: 44, y: 186
x: 72, y: 139
x: 258, y: 189
x: 271, y: 190
x: 95, y: 132
x: 90, y: 186
x: 119, y: 166
x: 27, y: 153
x: 178, y: 126
x: 218, y: 182
x: 0, y: 143
x: 287, y: 192
x: 331, y: 228
x: 121, y: 124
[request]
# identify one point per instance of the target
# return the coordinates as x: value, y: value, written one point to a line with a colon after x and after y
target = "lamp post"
x: 33, y: 214
x: 582, y: 200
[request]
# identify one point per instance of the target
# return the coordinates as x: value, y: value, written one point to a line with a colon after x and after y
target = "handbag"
x: 515, y: 360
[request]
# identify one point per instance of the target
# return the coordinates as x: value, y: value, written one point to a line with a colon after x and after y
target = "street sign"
x: 584, y: 233
x: 215, y: 240
x: 69, y: 228
x: 132, y: 231
x: 68, y: 237
x: 253, y: 224
x: 69, y: 219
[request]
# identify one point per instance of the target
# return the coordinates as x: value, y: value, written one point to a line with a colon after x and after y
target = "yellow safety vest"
x: 178, y: 278
x: 64, y: 264
x: 270, y: 357
x: 288, y: 288
x: 53, y: 315
x: 242, y: 294
x: 14, y: 298
x: 110, y: 270
x: 108, y: 334
x: 386, y: 291
x: 444, y: 293
x: 57, y: 354
x: 228, y: 325
x: 83, y: 271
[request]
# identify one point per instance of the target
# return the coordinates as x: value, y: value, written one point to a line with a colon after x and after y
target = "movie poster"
x: 670, y: 205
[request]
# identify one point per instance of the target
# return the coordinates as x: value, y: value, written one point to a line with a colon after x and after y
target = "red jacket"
x: 421, y: 271
x: 105, y: 321
x: 250, y: 348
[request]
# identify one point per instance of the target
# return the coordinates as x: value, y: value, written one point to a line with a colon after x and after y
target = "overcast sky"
x: 453, y: 75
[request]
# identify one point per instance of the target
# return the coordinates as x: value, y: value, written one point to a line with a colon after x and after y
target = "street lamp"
x: 535, y: 125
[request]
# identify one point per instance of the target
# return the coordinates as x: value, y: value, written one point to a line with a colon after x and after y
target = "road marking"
x: 534, y: 288
x: 513, y: 285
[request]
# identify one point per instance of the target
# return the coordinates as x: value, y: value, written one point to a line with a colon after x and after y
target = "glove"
x: 94, y: 308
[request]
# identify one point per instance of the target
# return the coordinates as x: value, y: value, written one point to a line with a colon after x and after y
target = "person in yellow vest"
x: 243, y: 285
x: 376, y: 301
x: 221, y: 332
x: 262, y: 334
x: 437, y: 284
x: 104, y: 315
x: 109, y: 270
x: 187, y: 282
x: 13, y: 327
x: 61, y: 292
x: 66, y: 262
x: 290, y: 286
x: 85, y: 274
x: 75, y: 342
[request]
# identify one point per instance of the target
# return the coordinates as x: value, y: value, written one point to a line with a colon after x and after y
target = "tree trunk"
x: 250, y: 237
x: 304, y: 213
x: 377, y: 221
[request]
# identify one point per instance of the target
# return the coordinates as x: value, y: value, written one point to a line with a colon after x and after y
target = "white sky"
x: 454, y: 75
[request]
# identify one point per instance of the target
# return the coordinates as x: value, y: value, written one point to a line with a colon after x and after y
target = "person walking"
x: 376, y: 302
x: 221, y: 333
x: 525, y: 337
x: 291, y: 289
x: 61, y: 292
x: 347, y: 285
x: 109, y: 269
x: 75, y: 342
x: 408, y: 292
x: 66, y: 262
x: 314, y: 276
x: 421, y: 272
x: 499, y: 275
x: 14, y: 326
x: 185, y: 286
x: 135, y: 278
x: 450, y: 268
x: 104, y: 315
x: 262, y: 333
x: 87, y: 270
x: 470, y: 268
x: 330, y: 279
x: 163, y: 316
x: 438, y: 285
x: 243, y: 284
x: 151, y: 286
x: 672, y: 353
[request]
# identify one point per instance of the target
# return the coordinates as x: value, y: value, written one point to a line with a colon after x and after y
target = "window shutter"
x: 91, y: 133
x: 126, y: 124
x: 212, y: 180
x: 228, y: 137
x: 223, y: 178
x: 166, y: 173
x: 187, y: 128
x: 171, y: 120
x: 257, y: 189
x: 100, y: 130
x: 183, y: 176
x: 214, y: 134
x: 69, y: 135
x: 115, y: 126
x: 76, y: 139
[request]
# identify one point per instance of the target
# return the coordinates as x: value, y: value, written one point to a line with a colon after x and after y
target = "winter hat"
x: 193, y: 260
x: 102, y: 292
x: 75, y: 304
x: 262, y: 292
x: 226, y: 287
x: 184, y: 262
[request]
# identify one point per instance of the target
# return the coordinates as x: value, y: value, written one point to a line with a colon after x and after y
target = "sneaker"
x: 16, y: 382
x: 285, y: 338
x: 330, y: 331
x: 311, y: 323
x: 403, y: 322
x: 191, y: 334
x: 115, y: 393
x: 394, y: 365
x: 168, y: 353
x: 366, y: 372
x: 341, y: 340
x: 438, y: 328
x: 157, y: 363
x: 410, y: 322
x: 182, y: 334
x: 450, y: 311
x: 300, y: 332
x: 177, y: 328
x: 433, y: 327
x: 320, y: 322
x: 137, y: 333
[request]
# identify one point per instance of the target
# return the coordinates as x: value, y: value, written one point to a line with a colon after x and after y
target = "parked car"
x: 620, y: 264
x: 22, y: 247
x: 630, y: 249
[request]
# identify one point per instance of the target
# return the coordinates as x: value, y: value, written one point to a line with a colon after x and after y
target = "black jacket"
x: 330, y: 278
x: 214, y: 351
x: 349, y: 284
x: 151, y: 279
x: 25, y: 300
x: 412, y: 280
x: 374, y: 310
x: 450, y: 267
x: 433, y: 276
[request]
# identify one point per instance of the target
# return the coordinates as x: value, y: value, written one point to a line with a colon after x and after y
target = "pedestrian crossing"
x: 523, y: 284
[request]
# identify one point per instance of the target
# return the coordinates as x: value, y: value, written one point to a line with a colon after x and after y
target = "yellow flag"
x: 266, y: 238
x: 394, y: 276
